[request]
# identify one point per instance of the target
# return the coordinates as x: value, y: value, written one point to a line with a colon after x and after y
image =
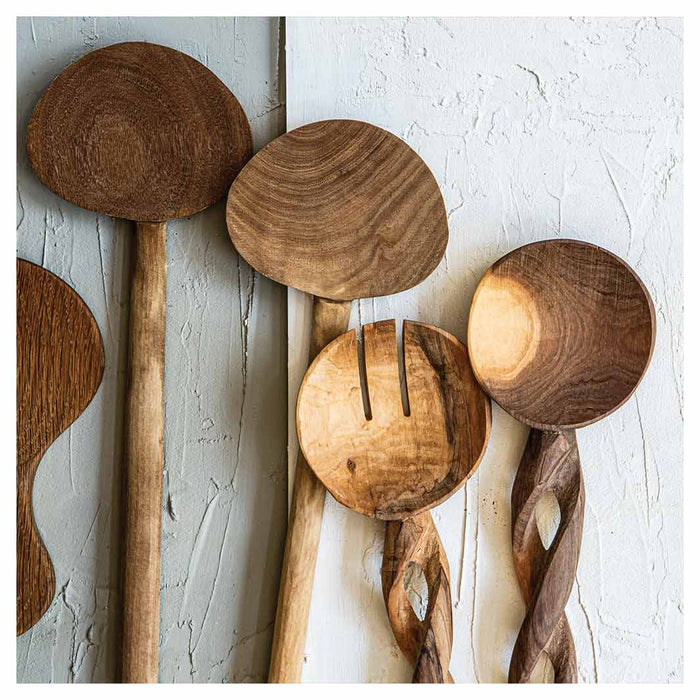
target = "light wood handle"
x: 546, y: 576
x: 426, y: 643
x: 330, y: 320
x: 144, y: 457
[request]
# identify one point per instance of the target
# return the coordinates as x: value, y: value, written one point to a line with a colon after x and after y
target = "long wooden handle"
x: 144, y: 457
x: 426, y: 643
x: 546, y: 576
x: 330, y: 319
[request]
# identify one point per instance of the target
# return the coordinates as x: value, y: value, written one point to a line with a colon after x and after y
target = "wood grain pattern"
x: 330, y: 319
x: 392, y: 466
x: 560, y: 335
x: 550, y: 463
x: 340, y: 209
x: 142, y: 132
x: 60, y: 362
x: 138, y: 131
x: 426, y: 643
x: 394, y: 462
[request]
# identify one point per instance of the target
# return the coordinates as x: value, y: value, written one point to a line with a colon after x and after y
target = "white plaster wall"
x: 534, y: 128
x: 225, y: 441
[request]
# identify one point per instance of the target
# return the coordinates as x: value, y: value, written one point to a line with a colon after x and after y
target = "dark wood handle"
x: 144, y: 457
x: 36, y: 580
x: 330, y: 320
x: 550, y: 463
x: 426, y: 643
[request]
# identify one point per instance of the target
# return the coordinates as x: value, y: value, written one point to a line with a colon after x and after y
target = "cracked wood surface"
x: 224, y: 478
x: 573, y: 128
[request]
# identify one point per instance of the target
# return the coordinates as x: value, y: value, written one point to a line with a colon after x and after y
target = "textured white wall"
x: 534, y: 128
x: 225, y: 441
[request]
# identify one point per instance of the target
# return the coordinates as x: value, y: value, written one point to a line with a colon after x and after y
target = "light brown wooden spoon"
x: 560, y: 335
x: 60, y: 362
x: 393, y: 464
x: 141, y: 132
x: 342, y: 210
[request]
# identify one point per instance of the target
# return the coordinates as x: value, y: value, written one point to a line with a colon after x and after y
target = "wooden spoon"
x: 395, y: 464
x: 146, y: 133
x: 342, y: 210
x: 60, y: 362
x: 560, y: 335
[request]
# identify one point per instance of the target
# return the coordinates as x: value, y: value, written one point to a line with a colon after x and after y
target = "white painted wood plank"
x: 534, y: 128
x: 225, y: 441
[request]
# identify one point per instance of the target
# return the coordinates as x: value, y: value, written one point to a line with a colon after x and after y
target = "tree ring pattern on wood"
x: 560, y: 333
x: 138, y: 131
x: 340, y: 209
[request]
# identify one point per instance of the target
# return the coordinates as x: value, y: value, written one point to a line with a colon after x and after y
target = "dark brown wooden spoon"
x: 392, y: 463
x: 342, y: 210
x: 146, y: 133
x: 560, y: 335
x: 60, y: 361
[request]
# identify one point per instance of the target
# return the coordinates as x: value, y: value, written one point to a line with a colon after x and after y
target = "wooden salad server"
x: 560, y: 335
x: 394, y: 463
x: 341, y: 210
x: 141, y: 132
x: 60, y: 361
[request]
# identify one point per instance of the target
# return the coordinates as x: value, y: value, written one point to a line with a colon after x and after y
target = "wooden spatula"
x: 393, y: 462
x: 560, y: 335
x: 342, y: 210
x: 60, y: 362
x: 146, y: 133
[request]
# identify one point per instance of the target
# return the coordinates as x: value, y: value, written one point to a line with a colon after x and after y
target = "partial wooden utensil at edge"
x: 146, y: 133
x: 60, y: 361
x: 342, y: 210
x: 560, y: 335
x: 394, y: 463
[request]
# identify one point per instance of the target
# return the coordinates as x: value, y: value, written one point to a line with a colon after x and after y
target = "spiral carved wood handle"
x: 550, y: 463
x: 426, y: 643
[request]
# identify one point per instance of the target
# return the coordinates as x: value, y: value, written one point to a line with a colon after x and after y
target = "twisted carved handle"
x: 426, y: 643
x: 550, y: 463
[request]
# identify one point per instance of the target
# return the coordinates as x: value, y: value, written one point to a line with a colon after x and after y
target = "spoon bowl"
x: 560, y: 333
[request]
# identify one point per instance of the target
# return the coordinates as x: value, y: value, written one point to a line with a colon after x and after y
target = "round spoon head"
x: 560, y: 333
x: 138, y: 131
x: 378, y: 460
x: 340, y: 209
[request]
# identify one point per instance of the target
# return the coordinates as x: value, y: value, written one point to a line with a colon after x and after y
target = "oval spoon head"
x: 560, y: 333
x: 340, y: 209
x: 138, y: 131
x: 60, y: 361
x: 391, y: 465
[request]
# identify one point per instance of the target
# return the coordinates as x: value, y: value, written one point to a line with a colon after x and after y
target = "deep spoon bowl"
x: 560, y: 333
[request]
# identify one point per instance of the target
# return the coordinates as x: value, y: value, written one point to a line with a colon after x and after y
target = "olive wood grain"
x: 342, y: 210
x: 60, y: 362
x: 330, y: 319
x: 426, y: 643
x: 560, y: 335
x: 392, y: 466
x: 146, y: 133
x: 394, y: 462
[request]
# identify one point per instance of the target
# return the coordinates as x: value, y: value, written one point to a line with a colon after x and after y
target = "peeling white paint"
x: 224, y: 479
x: 534, y: 128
